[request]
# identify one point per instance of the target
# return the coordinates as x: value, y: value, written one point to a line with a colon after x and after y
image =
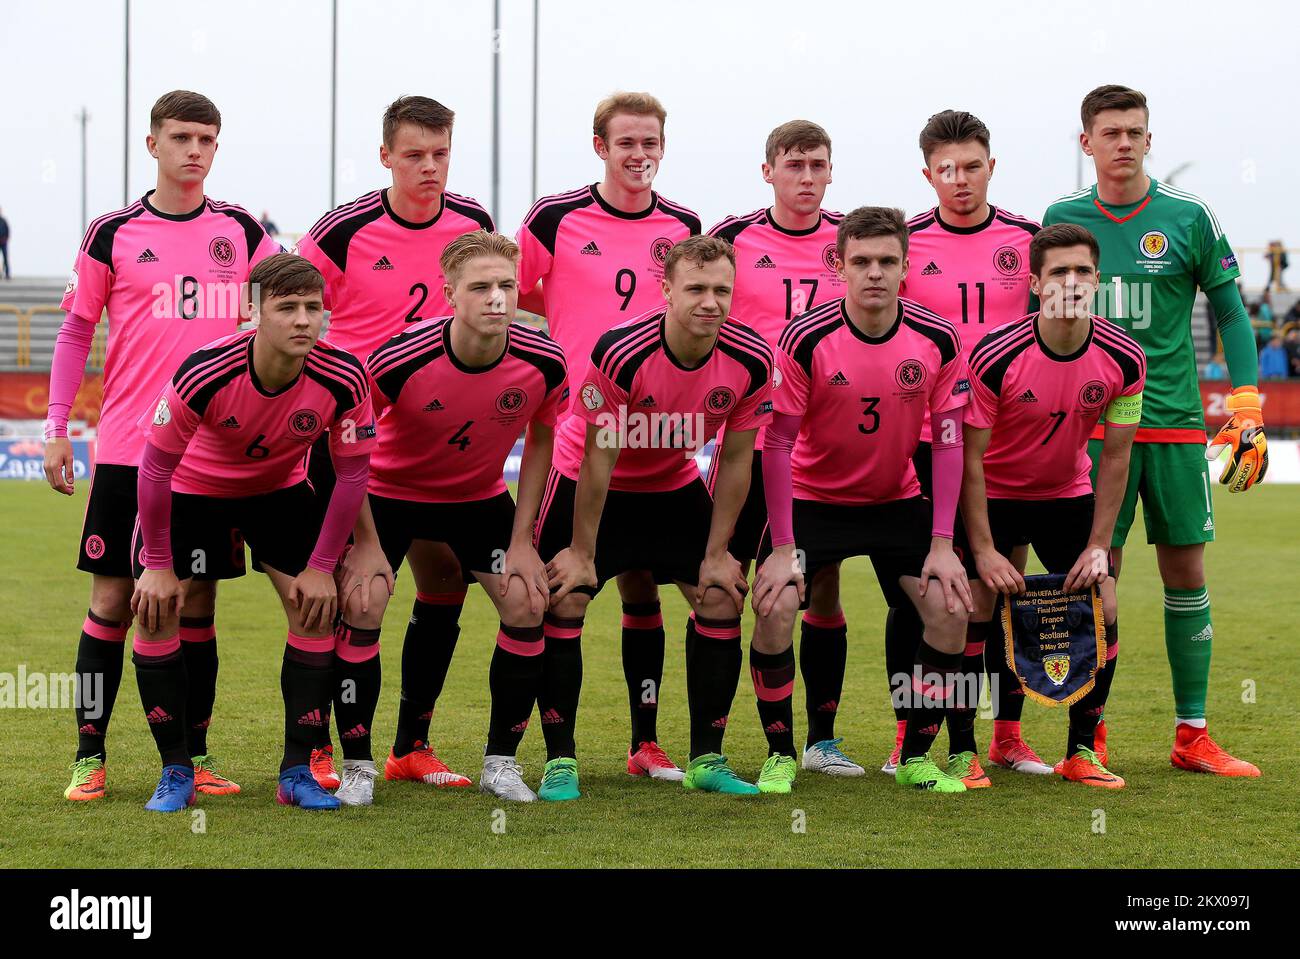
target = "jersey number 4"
x: 460, y: 439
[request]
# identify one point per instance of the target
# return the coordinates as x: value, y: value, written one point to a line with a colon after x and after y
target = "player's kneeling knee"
x: 373, y: 617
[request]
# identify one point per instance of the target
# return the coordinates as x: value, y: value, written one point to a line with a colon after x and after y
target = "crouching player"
x: 846, y: 459
x: 224, y: 464
x: 625, y: 493
x: 1038, y: 388
x: 458, y: 391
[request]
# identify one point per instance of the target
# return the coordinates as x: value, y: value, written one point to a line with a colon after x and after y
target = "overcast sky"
x: 1220, y: 78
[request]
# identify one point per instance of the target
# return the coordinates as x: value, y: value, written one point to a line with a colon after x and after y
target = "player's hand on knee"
x: 567, y: 571
x: 1088, y: 570
x: 58, y: 464
x: 158, y: 596
x: 315, y: 596
x: 723, y: 571
x: 363, y: 563
x: 779, y: 570
x: 523, y: 563
x: 942, y: 564
x: 998, y: 573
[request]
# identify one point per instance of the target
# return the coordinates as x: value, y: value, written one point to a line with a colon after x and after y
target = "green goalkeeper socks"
x: 1188, y: 639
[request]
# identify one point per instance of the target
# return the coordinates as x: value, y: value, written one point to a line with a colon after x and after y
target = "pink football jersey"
x: 661, y: 412
x: 975, y: 276
x: 1042, y: 407
x: 599, y: 266
x: 240, y: 440
x: 382, y: 272
x: 780, y: 273
x: 170, y: 284
x: 448, y: 428
x: 863, y: 399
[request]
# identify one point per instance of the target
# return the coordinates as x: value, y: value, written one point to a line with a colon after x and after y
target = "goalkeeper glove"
x: 1244, y: 435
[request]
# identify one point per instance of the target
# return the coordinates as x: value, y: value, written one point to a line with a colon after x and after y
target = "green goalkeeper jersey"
x: 1154, y: 255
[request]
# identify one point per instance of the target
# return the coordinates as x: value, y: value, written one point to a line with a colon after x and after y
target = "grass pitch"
x: 1163, y: 818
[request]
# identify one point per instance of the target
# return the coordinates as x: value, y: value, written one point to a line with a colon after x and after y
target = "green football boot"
x: 920, y: 772
x: 777, y: 775
x: 711, y: 773
x: 559, y: 780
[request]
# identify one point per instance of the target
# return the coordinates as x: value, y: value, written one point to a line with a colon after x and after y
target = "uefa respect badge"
x: 1054, y: 641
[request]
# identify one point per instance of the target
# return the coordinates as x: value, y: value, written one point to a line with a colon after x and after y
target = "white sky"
x: 1219, y: 76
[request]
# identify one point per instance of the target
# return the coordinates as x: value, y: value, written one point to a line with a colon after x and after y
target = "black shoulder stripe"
x: 392, y: 380
x: 253, y: 231
x: 552, y: 368
x: 1127, y: 362
x: 1027, y: 225
x: 201, y: 397
x: 627, y: 368
x: 344, y: 396
x: 805, y: 321
x: 612, y: 338
x: 802, y: 348
x: 544, y: 224
x: 100, y: 246
x: 472, y: 211
x: 191, y: 369
x: 691, y: 221
x: 343, y: 365
x: 993, y: 374
x: 334, y: 242
x: 946, y: 340
x: 990, y: 340
x: 758, y: 367
x: 915, y: 226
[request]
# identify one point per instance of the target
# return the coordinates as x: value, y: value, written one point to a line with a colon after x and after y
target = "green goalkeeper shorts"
x: 1173, y: 480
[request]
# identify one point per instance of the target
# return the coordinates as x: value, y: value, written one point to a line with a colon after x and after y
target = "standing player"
x: 458, y: 391
x: 972, y: 267
x: 380, y: 256
x: 198, y: 252
x: 785, y: 265
x: 599, y: 253
x: 224, y: 464
x: 625, y: 493
x: 1038, y: 388
x: 854, y: 487
x: 1158, y: 246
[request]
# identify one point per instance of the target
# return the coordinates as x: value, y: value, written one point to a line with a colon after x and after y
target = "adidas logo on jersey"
x: 590, y: 249
x: 1027, y: 397
x: 146, y: 257
x: 383, y: 263
x: 764, y: 262
x: 839, y: 379
x: 230, y: 423
x: 647, y: 402
x: 434, y: 407
x: 931, y: 269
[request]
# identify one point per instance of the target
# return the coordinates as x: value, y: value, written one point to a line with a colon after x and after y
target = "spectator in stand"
x: 1263, y: 329
x: 1215, y: 370
x: 4, y: 242
x: 1266, y: 307
x: 1291, y: 343
x: 1292, y: 315
x: 1277, y: 263
x: 1273, y: 360
x: 268, y: 224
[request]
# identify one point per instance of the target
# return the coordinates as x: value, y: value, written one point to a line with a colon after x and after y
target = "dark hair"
x: 952, y: 126
x: 423, y: 112
x: 1112, y: 96
x: 869, y: 221
x: 1059, y: 235
x: 186, y: 106
x: 802, y: 135
x: 284, y: 274
x: 699, y: 250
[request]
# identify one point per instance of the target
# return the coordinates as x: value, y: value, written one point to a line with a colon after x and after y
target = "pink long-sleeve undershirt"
x: 71, y: 349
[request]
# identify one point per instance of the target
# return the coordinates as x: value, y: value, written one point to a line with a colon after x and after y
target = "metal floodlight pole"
x: 83, y: 117
x: 334, y: 95
x: 126, y: 105
x: 532, y: 196
x: 496, y: 111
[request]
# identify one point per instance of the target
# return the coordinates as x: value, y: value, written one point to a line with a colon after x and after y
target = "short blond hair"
x: 699, y: 250
x: 470, y: 246
x: 637, y: 104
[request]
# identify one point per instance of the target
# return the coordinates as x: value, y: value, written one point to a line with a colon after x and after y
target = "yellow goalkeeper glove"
x: 1244, y: 435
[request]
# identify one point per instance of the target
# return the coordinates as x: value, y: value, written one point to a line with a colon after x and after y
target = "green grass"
x: 1163, y: 818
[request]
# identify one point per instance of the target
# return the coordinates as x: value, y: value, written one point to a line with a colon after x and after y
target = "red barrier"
x: 1281, y: 400
x: 26, y: 395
